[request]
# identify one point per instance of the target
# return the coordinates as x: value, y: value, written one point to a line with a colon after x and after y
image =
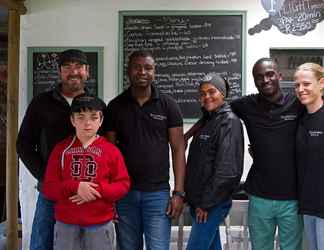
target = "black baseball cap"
x: 72, y: 55
x: 86, y: 101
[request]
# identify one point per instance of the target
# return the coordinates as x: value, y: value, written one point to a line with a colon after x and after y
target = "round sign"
x: 272, y: 6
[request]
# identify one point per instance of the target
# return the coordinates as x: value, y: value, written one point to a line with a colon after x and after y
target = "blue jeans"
x: 314, y: 229
x: 265, y: 215
x: 43, y: 225
x: 143, y: 213
x: 205, y: 236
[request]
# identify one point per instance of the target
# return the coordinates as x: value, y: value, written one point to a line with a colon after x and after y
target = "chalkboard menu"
x: 43, y: 69
x: 186, y: 46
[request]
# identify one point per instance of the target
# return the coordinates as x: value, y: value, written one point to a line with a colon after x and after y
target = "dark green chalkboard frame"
x: 32, y: 50
x: 123, y: 14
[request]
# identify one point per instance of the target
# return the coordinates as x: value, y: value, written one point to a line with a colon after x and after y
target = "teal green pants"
x: 266, y: 215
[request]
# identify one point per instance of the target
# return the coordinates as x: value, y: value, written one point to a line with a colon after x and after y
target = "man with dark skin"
x: 270, y: 118
x: 143, y: 122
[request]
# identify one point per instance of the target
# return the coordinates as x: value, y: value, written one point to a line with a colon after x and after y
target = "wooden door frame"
x: 15, y: 9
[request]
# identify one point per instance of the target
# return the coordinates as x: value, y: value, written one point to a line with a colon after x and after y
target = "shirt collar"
x: 155, y: 93
x: 264, y: 102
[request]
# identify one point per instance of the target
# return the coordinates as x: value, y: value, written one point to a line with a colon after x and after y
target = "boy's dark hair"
x: 87, y: 102
x: 139, y: 53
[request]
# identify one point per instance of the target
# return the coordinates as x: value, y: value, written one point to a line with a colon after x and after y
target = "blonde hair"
x: 315, y: 68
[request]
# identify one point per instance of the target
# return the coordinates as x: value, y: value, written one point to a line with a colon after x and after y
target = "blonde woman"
x: 309, y: 84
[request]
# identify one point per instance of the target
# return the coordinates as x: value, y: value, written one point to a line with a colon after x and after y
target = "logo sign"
x: 295, y: 17
x: 272, y: 6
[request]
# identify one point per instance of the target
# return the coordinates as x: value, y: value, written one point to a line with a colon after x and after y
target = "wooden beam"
x: 14, y: 5
x: 12, y: 128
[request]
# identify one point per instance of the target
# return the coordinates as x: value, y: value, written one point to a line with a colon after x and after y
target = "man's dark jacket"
x: 46, y: 122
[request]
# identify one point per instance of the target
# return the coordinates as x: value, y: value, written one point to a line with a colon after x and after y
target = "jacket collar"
x: 225, y: 107
x: 57, y: 92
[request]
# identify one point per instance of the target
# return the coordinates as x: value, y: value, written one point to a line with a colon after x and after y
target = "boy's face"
x: 86, y: 123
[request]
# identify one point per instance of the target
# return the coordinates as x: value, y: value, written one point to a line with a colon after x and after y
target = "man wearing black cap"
x: 46, y: 122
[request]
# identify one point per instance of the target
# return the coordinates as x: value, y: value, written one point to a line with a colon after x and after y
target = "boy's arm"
x: 54, y: 188
x: 86, y: 192
x: 119, y: 182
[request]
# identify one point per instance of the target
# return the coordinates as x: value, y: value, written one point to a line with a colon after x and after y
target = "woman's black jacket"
x: 215, y: 159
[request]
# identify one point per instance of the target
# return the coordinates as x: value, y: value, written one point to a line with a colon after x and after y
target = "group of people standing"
x: 98, y: 164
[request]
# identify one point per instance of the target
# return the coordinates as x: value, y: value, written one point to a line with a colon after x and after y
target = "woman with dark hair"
x: 215, y: 164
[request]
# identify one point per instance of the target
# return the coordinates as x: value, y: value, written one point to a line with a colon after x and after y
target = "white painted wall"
x: 95, y: 23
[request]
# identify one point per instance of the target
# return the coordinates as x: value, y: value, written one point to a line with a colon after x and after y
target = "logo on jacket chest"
x: 315, y: 133
x: 158, y: 117
x: 83, y: 167
x: 204, y: 137
x: 288, y: 117
x: 80, y: 150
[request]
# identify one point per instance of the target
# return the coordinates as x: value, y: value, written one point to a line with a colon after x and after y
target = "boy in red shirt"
x: 85, y: 176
